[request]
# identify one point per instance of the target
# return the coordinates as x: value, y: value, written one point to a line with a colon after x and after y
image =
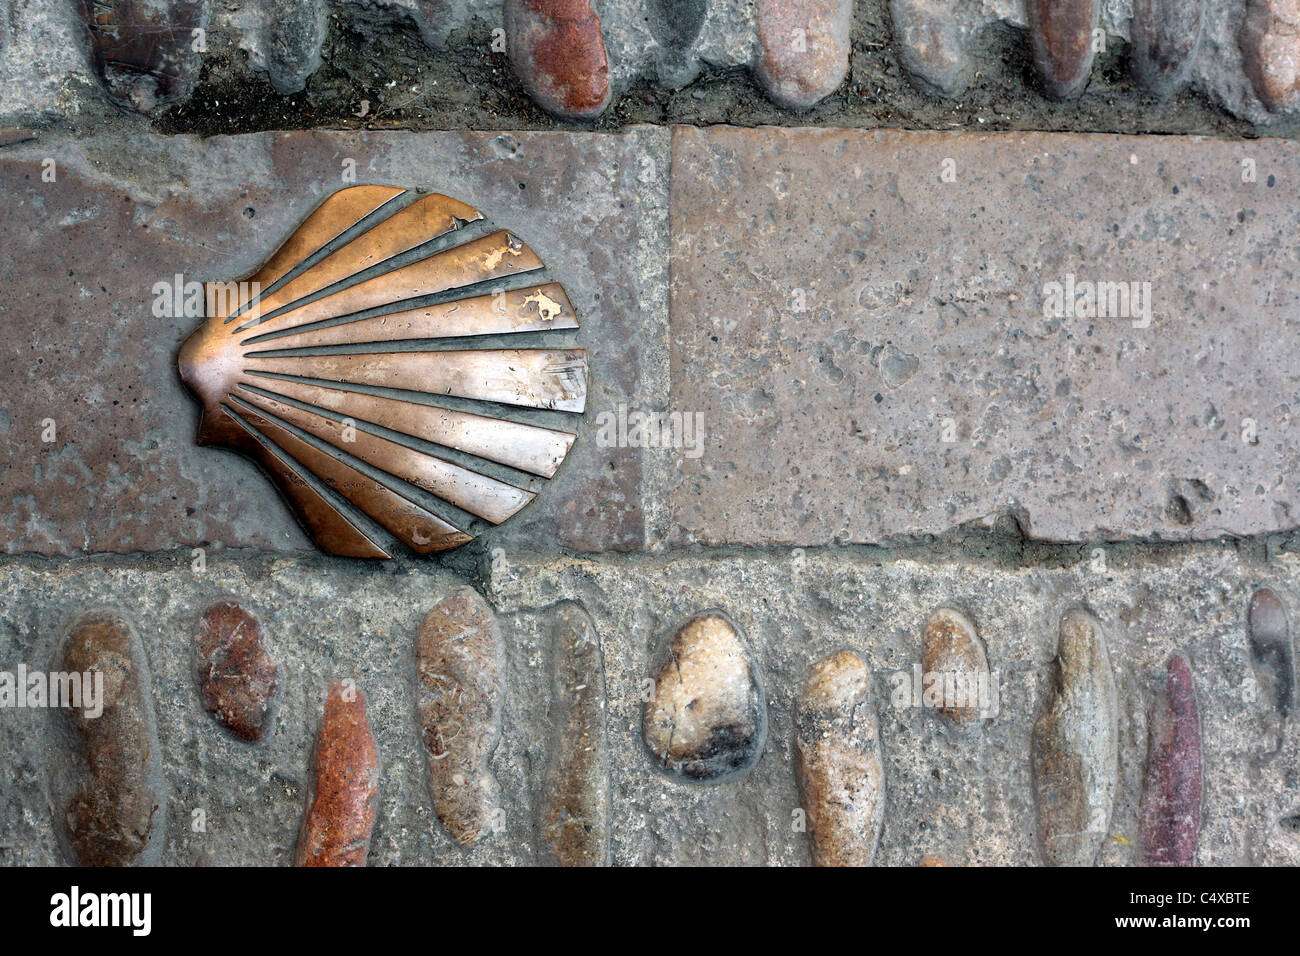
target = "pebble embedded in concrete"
x: 239, y: 681
x: 803, y: 49
x: 952, y: 650
x: 837, y: 762
x: 1076, y: 746
x: 1171, y: 798
x: 117, y: 811
x: 931, y: 45
x: 345, y: 792
x: 1166, y: 35
x: 143, y: 52
x: 575, y: 800
x: 1270, y: 50
x: 558, y: 53
x: 707, y: 719
x: 1061, y: 35
x: 459, y: 660
x: 1272, y: 656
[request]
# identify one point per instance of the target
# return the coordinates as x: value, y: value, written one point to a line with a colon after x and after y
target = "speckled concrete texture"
x: 889, y: 334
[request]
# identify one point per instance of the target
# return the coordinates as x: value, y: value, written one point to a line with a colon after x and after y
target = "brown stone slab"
x: 83, y: 349
x: 840, y: 308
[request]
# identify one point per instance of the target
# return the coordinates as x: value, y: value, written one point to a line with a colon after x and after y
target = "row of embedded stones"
x: 704, y: 721
x: 1165, y: 34
x: 801, y: 55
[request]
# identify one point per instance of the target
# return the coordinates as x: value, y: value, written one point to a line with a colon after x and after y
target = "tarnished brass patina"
x: 323, y: 367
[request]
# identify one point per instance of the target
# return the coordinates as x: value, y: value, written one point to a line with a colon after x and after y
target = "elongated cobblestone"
x: 1171, y: 799
x: 575, y: 802
x: 344, y: 794
x: 115, y: 815
x: 1075, y: 746
x: 458, y: 664
x: 837, y: 762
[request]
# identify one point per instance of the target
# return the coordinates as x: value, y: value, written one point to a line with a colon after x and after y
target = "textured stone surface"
x: 869, y: 348
x: 1270, y: 47
x: 239, y: 681
x: 1272, y: 653
x: 1061, y: 35
x: 575, y: 813
x: 931, y: 44
x: 953, y: 654
x: 110, y: 797
x: 341, y: 804
x: 88, y: 354
x: 707, y: 719
x: 802, y: 54
x: 143, y: 50
x: 837, y: 762
x: 458, y: 664
x: 1171, y: 799
x: 1076, y: 746
x: 1166, y: 35
x: 558, y: 52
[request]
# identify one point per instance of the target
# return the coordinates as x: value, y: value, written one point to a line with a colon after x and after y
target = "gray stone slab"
x: 867, y: 340
x: 84, y: 350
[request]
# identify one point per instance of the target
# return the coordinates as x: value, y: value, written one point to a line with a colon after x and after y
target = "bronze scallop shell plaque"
x: 345, y: 368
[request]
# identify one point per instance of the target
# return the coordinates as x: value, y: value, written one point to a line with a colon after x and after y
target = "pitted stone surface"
x: 868, y: 324
x: 99, y: 450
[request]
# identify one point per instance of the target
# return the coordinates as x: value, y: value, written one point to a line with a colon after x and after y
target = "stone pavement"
x: 934, y: 494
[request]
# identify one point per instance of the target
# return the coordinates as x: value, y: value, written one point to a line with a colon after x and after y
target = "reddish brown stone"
x: 933, y: 860
x: 341, y: 810
x: 458, y: 662
x: 239, y: 682
x: 1061, y: 34
x: 1270, y: 49
x: 558, y: 52
x: 803, y: 49
x: 1171, y: 800
x: 142, y: 50
x: 116, y: 816
x: 1165, y: 36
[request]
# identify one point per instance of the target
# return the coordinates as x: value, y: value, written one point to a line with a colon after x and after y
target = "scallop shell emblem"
x: 346, y: 368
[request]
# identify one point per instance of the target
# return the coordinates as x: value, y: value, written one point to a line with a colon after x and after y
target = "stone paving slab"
x: 965, y: 797
x: 84, y: 350
x: 869, y: 325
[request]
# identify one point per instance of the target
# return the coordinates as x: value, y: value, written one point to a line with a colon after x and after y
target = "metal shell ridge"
x: 346, y: 369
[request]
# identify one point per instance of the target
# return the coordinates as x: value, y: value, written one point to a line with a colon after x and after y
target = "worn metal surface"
x: 255, y: 402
